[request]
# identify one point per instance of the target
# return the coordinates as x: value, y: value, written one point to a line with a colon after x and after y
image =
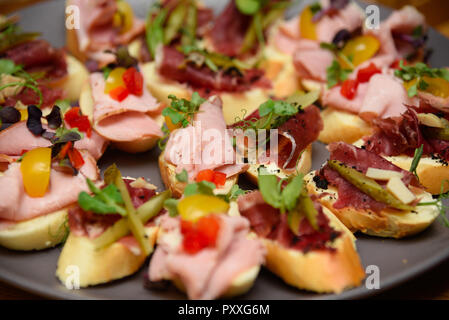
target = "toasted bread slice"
x: 432, y: 172
x: 142, y: 144
x: 303, y: 166
x: 342, y: 126
x: 318, y: 271
x: 387, y: 223
x: 36, y: 234
x: 168, y: 174
x: 100, y: 266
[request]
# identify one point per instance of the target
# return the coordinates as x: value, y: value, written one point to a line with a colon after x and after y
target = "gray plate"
x: 398, y: 260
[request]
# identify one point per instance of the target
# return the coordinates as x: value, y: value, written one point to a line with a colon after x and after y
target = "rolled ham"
x: 127, y: 120
x: 206, y: 144
x: 210, y: 272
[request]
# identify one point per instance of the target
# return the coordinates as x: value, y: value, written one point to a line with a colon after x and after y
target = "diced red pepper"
x: 205, y: 175
x: 119, y: 94
x: 219, y: 178
x: 74, y: 119
x: 365, y: 74
x: 133, y: 80
x: 200, y: 235
x: 75, y: 157
x: 349, y: 88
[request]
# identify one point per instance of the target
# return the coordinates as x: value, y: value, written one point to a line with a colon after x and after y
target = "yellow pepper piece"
x: 437, y: 86
x: 23, y: 114
x: 194, y: 207
x: 124, y: 17
x: 114, y: 80
x: 307, y: 27
x: 361, y: 49
x: 35, y: 168
x: 170, y: 125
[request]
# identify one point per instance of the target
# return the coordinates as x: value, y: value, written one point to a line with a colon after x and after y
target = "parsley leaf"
x: 105, y: 201
x: 182, y: 176
x: 172, y: 207
x: 181, y: 111
x: 202, y: 187
x: 336, y: 74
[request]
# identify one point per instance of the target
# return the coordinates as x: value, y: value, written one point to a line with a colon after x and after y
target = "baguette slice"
x: 168, y: 174
x: 77, y: 76
x: 303, y: 166
x: 36, y: 234
x: 432, y: 172
x: 318, y: 271
x: 387, y: 223
x: 100, y: 266
x: 141, y: 144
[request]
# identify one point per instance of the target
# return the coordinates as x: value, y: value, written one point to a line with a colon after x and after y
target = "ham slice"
x: 383, y: 96
x: 128, y: 120
x: 17, y: 138
x: 208, y: 273
x: 204, y: 145
x: 16, y: 205
x: 97, y: 32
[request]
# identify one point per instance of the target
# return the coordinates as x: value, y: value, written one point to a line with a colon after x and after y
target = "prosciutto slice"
x: 208, y: 273
x: 127, y: 120
x: 360, y: 159
x: 174, y: 67
x: 16, y: 205
x: 268, y: 222
x: 206, y: 144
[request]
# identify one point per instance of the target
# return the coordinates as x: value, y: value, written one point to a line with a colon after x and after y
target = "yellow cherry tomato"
x: 124, y: 16
x: 307, y: 27
x: 170, y: 125
x: 35, y: 168
x: 194, y: 207
x: 114, y: 80
x: 437, y: 86
x: 361, y: 49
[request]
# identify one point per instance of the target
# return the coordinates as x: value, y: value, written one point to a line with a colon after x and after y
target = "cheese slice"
x: 381, y: 174
x: 400, y: 190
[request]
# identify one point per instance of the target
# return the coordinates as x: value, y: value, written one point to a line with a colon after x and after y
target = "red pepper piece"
x: 133, y: 81
x: 349, y: 88
x: 119, y: 94
x: 365, y: 74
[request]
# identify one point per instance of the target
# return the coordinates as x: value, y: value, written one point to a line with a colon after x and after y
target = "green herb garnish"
x: 182, y: 176
x: 416, y: 158
x: 336, y: 74
x: 181, y: 111
x: 418, y: 71
x: 105, y: 201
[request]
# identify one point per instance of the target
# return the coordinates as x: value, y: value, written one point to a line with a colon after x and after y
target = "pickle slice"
x: 367, y: 185
x: 437, y: 133
x: 121, y: 228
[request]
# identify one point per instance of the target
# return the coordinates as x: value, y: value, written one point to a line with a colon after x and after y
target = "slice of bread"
x: 303, y: 166
x: 141, y: 144
x: 168, y: 174
x: 36, y: 234
x: 432, y: 172
x: 387, y: 223
x: 102, y: 265
x: 319, y: 271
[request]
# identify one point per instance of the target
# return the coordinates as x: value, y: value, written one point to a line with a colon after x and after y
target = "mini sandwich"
x: 27, y: 130
x: 199, y: 147
x: 372, y: 195
x: 205, y: 248
x: 120, y: 107
x: 418, y: 141
x: 38, y: 188
x: 112, y: 231
x: 104, y: 25
x: 181, y: 63
x: 353, y: 68
x: 307, y: 246
x: 298, y: 124
x: 33, y: 71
